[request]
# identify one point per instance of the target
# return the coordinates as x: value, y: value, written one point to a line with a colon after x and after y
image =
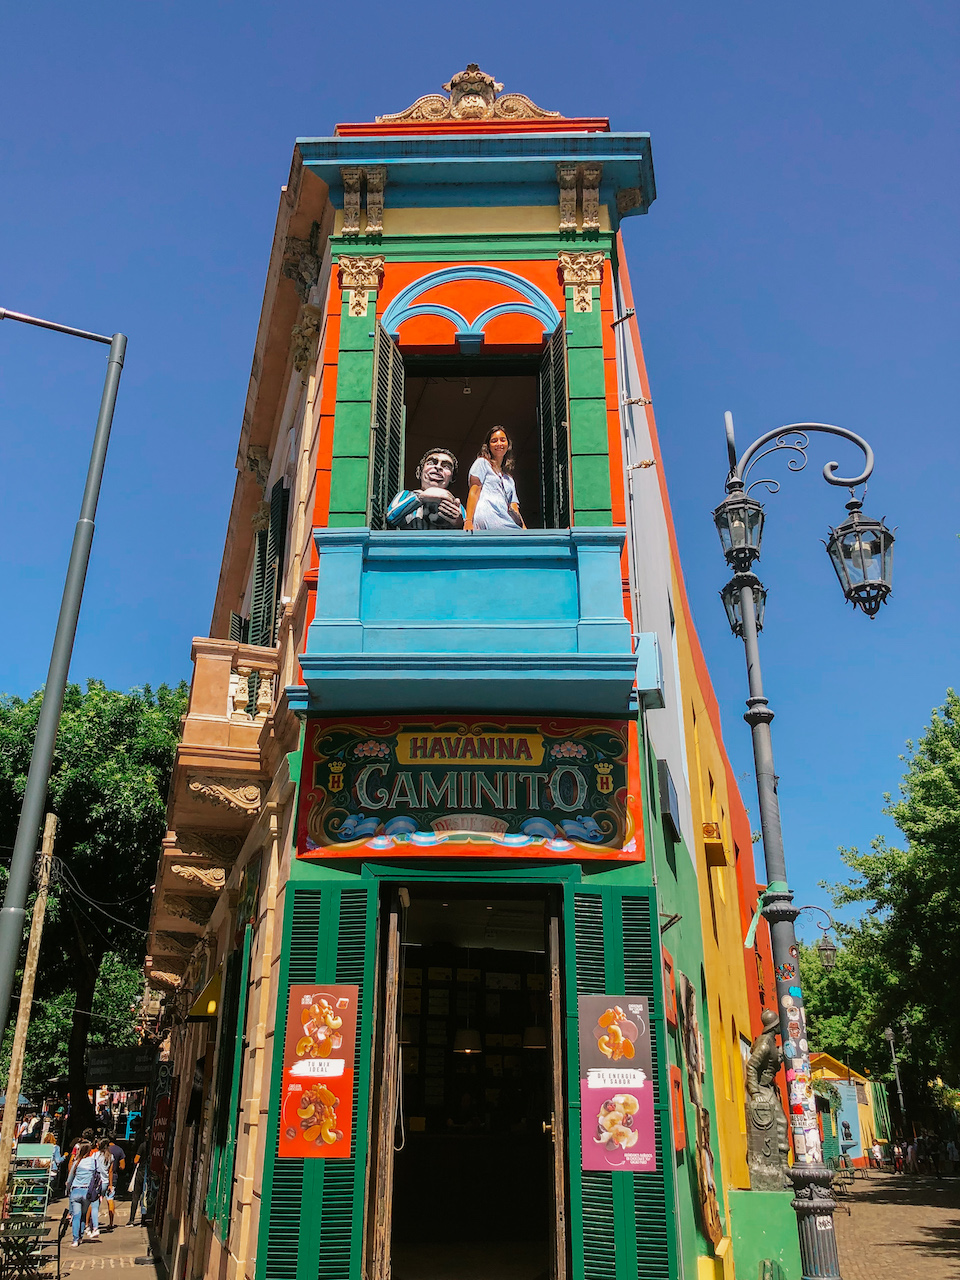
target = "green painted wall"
x: 589, y: 451
x: 763, y: 1225
x: 350, y: 469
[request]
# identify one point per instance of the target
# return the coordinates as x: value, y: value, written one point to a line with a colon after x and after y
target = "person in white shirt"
x: 492, y: 500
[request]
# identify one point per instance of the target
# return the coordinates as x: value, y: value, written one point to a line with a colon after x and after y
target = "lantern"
x: 730, y: 595
x: 739, y: 521
x: 861, y: 551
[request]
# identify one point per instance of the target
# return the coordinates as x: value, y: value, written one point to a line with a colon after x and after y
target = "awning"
x: 207, y: 1004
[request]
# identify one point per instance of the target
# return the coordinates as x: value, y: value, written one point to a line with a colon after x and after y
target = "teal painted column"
x: 350, y: 468
x: 589, y: 451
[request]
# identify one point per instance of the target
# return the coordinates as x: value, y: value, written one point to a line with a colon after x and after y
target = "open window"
x: 422, y: 402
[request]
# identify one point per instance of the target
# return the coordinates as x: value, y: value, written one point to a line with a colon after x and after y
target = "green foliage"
x: 111, y: 771
x: 897, y: 965
x: 114, y: 1023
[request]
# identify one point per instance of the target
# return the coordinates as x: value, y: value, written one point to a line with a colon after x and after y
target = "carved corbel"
x: 208, y: 877
x: 629, y: 198
x: 195, y: 909
x: 590, y: 176
x: 567, y: 178
x: 351, y: 176
x: 376, y: 181
x: 175, y: 944
x: 583, y: 272
x: 359, y: 277
x: 301, y: 262
x: 162, y: 981
x: 260, y: 519
x: 219, y: 848
x: 229, y: 792
x: 259, y: 463
x: 304, y: 336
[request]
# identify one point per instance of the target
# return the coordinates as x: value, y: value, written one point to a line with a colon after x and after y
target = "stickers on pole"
x: 616, y: 1085
x: 316, y: 1108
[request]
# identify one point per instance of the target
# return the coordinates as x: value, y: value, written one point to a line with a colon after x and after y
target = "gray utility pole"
x: 13, y: 911
x: 861, y: 551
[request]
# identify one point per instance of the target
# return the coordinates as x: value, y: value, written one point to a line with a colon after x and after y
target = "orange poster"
x: 316, y: 1108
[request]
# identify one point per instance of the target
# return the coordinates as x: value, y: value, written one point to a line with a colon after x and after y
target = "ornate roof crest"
x: 473, y: 96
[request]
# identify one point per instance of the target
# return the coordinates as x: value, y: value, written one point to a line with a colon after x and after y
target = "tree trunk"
x: 86, y: 972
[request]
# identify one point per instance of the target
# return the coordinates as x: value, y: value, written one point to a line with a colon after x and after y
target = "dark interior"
x: 473, y: 1172
x: 456, y: 409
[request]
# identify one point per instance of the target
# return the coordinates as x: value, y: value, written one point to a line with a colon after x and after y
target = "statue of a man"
x: 768, y: 1147
x: 433, y: 506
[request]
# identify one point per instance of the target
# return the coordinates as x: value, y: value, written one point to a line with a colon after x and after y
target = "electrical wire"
x: 62, y: 867
x: 68, y: 1013
x: 77, y: 893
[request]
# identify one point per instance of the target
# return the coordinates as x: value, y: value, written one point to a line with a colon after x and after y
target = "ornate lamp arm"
x: 739, y: 470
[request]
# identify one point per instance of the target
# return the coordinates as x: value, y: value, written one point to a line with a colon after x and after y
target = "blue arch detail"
x: 537, y: 304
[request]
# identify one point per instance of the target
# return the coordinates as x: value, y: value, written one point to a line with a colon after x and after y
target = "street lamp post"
x: 861, y: 552
x: 38, y: 778
x: 889, y: 1037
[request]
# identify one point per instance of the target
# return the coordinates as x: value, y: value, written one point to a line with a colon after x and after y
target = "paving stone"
x: 900, y: 1228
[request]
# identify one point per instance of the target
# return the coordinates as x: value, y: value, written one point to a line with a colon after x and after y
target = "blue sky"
x: 799, y: 263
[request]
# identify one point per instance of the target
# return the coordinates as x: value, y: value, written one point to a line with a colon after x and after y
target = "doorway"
x: 470, y: 1065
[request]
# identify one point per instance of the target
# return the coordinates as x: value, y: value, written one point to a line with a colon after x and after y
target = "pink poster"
x: 616, y: 1085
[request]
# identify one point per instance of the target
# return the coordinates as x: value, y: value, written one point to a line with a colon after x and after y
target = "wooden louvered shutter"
x: 621, y: 1224
x: 268, y: 570
x: 311, y: 1224
x: 233, y: 1004
x: 387, y: 422
x: 554, y: 419
x: 239, y: 628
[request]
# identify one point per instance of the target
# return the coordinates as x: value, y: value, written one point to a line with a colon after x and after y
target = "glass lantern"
x: 861, y: 551
x: 730, y: 595
x: 739, y: 521
x: 828, y: 952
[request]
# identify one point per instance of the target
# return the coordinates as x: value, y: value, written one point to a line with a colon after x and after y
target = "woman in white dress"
x: 492, y: 500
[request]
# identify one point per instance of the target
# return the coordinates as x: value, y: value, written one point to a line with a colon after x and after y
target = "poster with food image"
x: 616, y: 1085
x: 316, y: 1109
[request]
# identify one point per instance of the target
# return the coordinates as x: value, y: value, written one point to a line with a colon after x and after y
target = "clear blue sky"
x: 799, y: 263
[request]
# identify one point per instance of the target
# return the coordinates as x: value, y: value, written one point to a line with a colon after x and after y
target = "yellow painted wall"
x: 531, y: 219
x: 720, y: 919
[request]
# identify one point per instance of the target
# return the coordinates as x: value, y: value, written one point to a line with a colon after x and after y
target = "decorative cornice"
x: 197, y: 910
x: 209, y: 877
x: 260, y: 520
x: 376, y: 180
x: 230, y: 792
x: 473, y: 96
x: 359, y: 277
x: 582, y: 272
x: 628, y: 199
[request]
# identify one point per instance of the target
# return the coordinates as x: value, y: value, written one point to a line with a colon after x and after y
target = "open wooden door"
x: 559, y: 1105
x: 384, y: 1117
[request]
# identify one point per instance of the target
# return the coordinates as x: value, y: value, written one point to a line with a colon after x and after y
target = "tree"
x: 906, y: 948
x: 111, y: 771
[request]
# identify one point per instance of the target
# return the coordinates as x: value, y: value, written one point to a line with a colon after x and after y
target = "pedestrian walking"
x: 87, y: 1179
x: 139, y: 1172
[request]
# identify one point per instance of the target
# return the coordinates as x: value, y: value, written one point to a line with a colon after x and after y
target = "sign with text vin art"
x: 459, y: 786
x: 616, y: 1084
x: 316, y: 1106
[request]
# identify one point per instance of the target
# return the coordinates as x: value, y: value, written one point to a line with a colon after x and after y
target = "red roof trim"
x: 394, y: 128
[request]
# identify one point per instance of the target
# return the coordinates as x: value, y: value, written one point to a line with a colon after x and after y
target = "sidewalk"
x: 117, y: 1249
x: 900, y: 1228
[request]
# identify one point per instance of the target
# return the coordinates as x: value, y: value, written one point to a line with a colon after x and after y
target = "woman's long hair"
x: 509, y: 461
x: 83, y: 1151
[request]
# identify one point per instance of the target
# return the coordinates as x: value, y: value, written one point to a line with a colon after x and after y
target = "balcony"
x: 220, y: 780
x: 526, y: 622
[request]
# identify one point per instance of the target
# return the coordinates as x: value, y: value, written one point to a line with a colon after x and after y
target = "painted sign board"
x: 616, y: 1085
x: 416, y: 785
x: 316, y: 1106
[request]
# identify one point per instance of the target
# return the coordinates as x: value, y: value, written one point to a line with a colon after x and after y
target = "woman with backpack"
x: 85, y: 1185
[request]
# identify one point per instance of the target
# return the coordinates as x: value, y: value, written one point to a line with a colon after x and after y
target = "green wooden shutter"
x: 239, y: 1018
x: 268, y: 570
x: 239, y: 628
x: 554, y: 419
x: 226, y: 1057
x: 311, y: 1225
x: 387, y: 420
x: 620, y: 1223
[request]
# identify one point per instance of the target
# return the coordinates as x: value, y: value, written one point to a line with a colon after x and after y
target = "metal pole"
x: 811, y: 1179
x: 19, y: 1051
x: 34, y: 797
x: 888, y: 1035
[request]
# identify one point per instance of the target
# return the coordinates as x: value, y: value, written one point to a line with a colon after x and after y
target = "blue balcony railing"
x: 527, y: 622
